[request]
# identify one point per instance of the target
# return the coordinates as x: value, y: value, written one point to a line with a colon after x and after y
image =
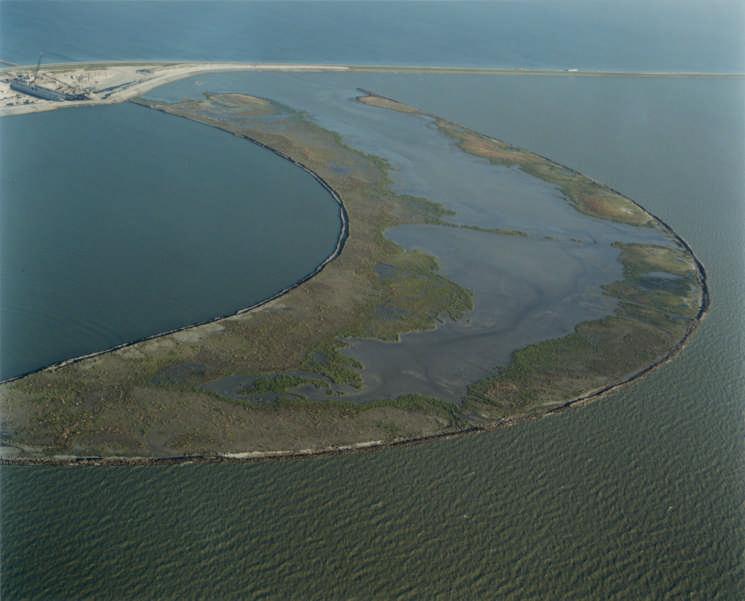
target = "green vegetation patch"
x: 414, y: 297
x: 553, y: 372
x: 648, y: 323
x: 586, y: 195
x: 272, y: 383
x: 328, y: 361
x: 489, y: 230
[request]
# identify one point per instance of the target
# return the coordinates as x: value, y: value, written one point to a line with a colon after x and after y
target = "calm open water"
x: 671, y: 35
x: 638, y: 496
x: 118, y: 222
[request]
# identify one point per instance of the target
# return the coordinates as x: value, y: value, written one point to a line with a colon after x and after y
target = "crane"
x: 47, y: 75
x: 36, y: 71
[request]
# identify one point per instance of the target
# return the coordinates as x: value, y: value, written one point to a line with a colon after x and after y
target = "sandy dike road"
x: 115, y: 82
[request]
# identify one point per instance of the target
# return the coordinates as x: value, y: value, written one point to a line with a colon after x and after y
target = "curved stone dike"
x: 338, y: 245
x: 277, y: 381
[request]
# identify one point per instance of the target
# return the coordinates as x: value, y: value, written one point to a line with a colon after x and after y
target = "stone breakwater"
x: 341, y: 240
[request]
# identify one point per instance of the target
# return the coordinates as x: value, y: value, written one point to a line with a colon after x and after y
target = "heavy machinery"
x: 36, y: 71
x: 28, y: 85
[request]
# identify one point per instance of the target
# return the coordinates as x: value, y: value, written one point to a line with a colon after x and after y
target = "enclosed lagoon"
x: 426, y: 163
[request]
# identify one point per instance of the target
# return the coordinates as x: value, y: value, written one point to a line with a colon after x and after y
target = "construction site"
x: 41, y: 87
x: 46, y: 87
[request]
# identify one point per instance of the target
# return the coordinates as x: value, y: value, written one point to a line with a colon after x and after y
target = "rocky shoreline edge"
x: 372, y: 445
x: 253, y: 456
x: 340, y: 242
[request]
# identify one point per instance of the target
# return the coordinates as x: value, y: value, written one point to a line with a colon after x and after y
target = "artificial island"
x: 300, y: 373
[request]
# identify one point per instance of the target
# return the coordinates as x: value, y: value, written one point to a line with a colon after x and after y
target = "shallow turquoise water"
x: 638, y: 496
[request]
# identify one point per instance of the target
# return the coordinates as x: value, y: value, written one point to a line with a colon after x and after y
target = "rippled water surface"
x: 638, y: 496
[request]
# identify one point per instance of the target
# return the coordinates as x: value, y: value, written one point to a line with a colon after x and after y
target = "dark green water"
x: 117, y: 223
x: 638, y: 496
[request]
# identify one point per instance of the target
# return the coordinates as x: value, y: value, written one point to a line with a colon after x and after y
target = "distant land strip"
x: 113, y: 82
x: 445, y: 69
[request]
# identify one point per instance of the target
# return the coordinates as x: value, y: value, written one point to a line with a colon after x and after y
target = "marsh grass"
x: 151, y: 399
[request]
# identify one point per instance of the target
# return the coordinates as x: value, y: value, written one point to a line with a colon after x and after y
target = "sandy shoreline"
x: 116, y: 82
x: 132, y: 79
